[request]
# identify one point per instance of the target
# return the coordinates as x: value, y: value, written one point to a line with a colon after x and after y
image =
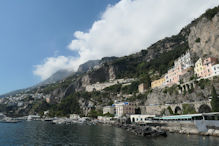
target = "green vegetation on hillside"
x: 68, y: 105
x: 188, y: 109
x: 170, y: 110
x: 115, y: 88
x: 171, y: 90
x: 210, y: 13
x: 203, y: 83
x: 130, y: 67
x: 215, y: 100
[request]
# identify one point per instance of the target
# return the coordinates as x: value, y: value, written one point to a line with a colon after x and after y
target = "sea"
x: 44, y: 133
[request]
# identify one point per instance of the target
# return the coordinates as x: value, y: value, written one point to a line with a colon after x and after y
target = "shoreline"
x: 155, y: 128
x: 179, y: 127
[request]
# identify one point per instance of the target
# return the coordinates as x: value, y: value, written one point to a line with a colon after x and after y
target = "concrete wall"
x: 205, y: 125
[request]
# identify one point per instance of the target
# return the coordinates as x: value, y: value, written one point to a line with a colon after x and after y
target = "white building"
x: 33, y: 117
x: 104, y: 119
x: 100, y: 86
x: 181, y: 66
x: 215, y: 69
x: 109, y: 109
x: 141, y: 118
x: 184, y: 61
x: 124, y: 108
x: 74, y: 116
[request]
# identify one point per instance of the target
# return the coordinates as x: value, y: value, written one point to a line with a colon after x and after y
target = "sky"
x: 40, y: 37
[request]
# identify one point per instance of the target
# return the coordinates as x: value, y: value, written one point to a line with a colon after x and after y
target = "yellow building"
x: 199, y: 68
x: 158, y: 83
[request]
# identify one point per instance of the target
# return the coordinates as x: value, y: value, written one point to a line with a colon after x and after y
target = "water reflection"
x: 42, y: 133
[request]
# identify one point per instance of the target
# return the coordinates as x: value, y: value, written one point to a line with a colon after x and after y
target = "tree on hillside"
x: 215, y: 100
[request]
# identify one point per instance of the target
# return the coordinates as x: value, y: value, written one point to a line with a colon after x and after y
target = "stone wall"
x: 101, y: 86
x: 158, y: 109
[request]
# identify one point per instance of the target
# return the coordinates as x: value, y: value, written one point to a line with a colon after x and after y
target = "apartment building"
x: 207, y: 67
x: 158, y: 83
x: 181, y: 66
x: 142, y: 88
x: 215, y: 69
x: 199, y: 68
x: 109, y: 109
x: 208, y: 63
x: 124, y: 108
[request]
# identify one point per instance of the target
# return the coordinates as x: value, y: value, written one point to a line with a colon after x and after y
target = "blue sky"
x: 31, y: 30
x: 40, y: 37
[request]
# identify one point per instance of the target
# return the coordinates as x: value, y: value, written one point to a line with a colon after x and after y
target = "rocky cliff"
x: 204, y: 37
x: 201, y: 37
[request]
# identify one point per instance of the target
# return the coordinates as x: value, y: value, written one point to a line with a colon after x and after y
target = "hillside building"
x: 181, y: 66
x: 215, y: 69
x: 206, y: 68
x: 100, y: 86
x: 208, y: 63
x: 142, y: 88
x: 199, y: 68
x: 124, y: 108
x: 109, y: 109
x: 158, y: 83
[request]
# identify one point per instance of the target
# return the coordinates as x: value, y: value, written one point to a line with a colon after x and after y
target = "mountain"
x: 200, y: 37
x: 57, y: 76
x: 88, y: 65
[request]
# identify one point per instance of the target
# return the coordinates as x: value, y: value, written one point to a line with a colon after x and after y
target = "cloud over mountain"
x: 124, y: 28
x: 54, y: 64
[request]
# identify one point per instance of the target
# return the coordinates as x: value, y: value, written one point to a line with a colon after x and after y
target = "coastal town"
x: 122, y: 112
x: 113, y: 72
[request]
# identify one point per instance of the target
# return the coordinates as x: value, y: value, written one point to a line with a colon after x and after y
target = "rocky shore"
x: 146, y: 131
x: 190, y: 130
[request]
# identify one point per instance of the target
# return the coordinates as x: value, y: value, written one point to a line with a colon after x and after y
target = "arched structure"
x: 178, y: 110
x: 204, y: 108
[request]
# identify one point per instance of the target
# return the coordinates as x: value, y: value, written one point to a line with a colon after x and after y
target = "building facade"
x: 142, y: 88
x: 100, y: 86
x: 124, y: 108
x: 206, y: 68
x: 215, y: 69
x: 199, y: 68
x: 181, y: 66
x: 109, y: 109
x: 208, y: 63
x: 158, y: 83
x: 141, y: 118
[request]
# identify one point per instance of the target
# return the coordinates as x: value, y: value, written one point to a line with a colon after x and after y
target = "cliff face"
x: 102, y: 74
x: 203, y: 40
x: 204, y: 37
x: 161, y: 97
x: 88, y: 65
x: 201, y: 37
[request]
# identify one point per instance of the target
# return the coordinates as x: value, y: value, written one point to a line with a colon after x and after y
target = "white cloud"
x: 53, y: 64
x: 127, y: 27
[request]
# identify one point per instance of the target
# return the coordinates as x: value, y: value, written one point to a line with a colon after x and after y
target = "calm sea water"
x: 43, y: 133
